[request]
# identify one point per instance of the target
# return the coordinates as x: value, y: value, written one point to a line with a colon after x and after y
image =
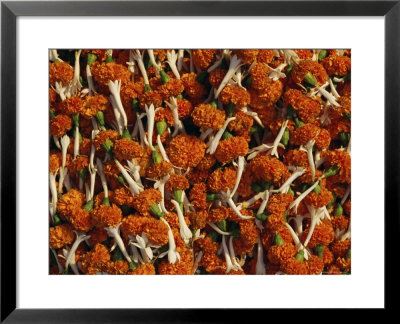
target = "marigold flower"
x: 315, y: 265
x: 206, y: 163
x: 61, y: 235
x: 317, y: 70
x: 103, y: 73
x: 246, y: 56
x: 222, y: 179
x: 306, y: 108
x: 216, y: 77
x: 319, y: 200
x: 150, y: 97
x: 344, y: 89
x: 340, y: 248
x: 218, y: 214
x: 344, y: 264
x: 145, y: 199
x: 197, y: 176
x: 203, y: 58
x: 270, y: 94
x: 198, y: 196
x: 265, y: 56
x: 69, y: 202
x: 340, y: 222
x: 267, y: 168
x: 158, y: 170
x: 236, y: 95
x: 81, y: 220
x: 333, y: 269
x: 116, y: 268
x: 94, y: 104
x: 156, y: 231
x: 231, y: 148
x: 60, y: 72
x: 104, y: 216
x: 183, y: 267
x: 177, y: 181
x: 341, y: 111
x: 185, y: 108
x: 293, y: 266
x: 337, y: 65
x: 69, y: 106
x: 104, y: 135
x: 185, y: 151
x: 278, y: 253
x: 198, y: 218
x: 125, y: 149
x: 323, y: 234
x: 193, y: 88
x: 340, y: 159
x: 338, y: 126
x: 207, y: 116
x: 259, y: 76
x: 122, y: 196
x: 133, y: 225
x: 172, y: 88
x: 304, y: 53
x: 347, y: 207
x: 95, y: 260
x: 60, y: 124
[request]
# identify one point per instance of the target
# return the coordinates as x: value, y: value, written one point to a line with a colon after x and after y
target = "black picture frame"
x: 10, y: 10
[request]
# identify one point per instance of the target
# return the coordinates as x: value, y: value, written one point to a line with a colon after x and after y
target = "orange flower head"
x: 197, y: 176
x: 265, y: 56
x: 206, y: 162
x: 293, y: 266
x: 278, y: 253
x: 203, y: 58
x: 97, y: 235
x: 61, y: 72
x: 183, y: 267
x: 185, y: 151
x: 145, y: 199
x: 337, y: 65
x: 344, y: 89
x: 347, y: 207
x: 303, y: 134
x: 343, y: 110
x: 304, y: 53
x: 105, y: 216
x: 218, y: 214
x: 69, y: 106
x: 206, y: 116
x: 319, y: 200
x: 60, y: 124
x: 236, y: 95
x: 317, y: 70
x: 198, y: 218
x: 133, y: 225
x: 177, y: 181
x: 193, y: 89
x: 216, y: 77
x: 69, y: 202
x: 270, y: 94
x: 198, y: 196
x: 156, y: 231
x: 279, y: 203
x: 80, y: 163
x: 61, y: 235
x: 296, y: 157
x: 259, y: 76
x: 95, y: 260
x: 103, y: 73
x: 185, y: 108
x: 323, y: 234
x: 241, y: 125
x: 158, y: 170
x: 337, y: 126
x: 268, y: 168
x: 52, y: 97
x: 125, y: 149
x: 315, y: 265
x: 172, y: 88
x: 231, y: 148
x: 93, y: 104
x: 104, y: 135
x: 306, y: 108
x: 340, y: 248
x: 55, y: 160
x: 340, y: 159
x: 120, y: 267
x: 246, y: 56
x: 81, y: 220
x: 222, y: 179
x: 122, y: 196
x: 150, y: 97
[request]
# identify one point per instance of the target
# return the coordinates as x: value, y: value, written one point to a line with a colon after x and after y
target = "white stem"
x: 214, y: 144
x: 161, y: 148
x: 297, y: 242
x: 133, y: 186
x: 114, y: 233
x: 315, y: 216
x: 76, y: 82
x: 64, y: 147
x: 296, y: 203
x: 99, y: 167
x: 178, y: 126
x: 76, y: 142
x: 150, y: 124
x: 309, y: 147
x: 297, y: 173
x: 63, y: 174
x: 233, y: 66
x: 264, y: 202
x: 327, y: 95
x: 229, y: 265
x: 173, y: 255
x: 115, y: 89
x: 333, y: 89
x: 217, y: 229
x: 346, y: 195
x: 53, y: 190
x: 180, y: 59
x: 57, y: 142
x: 235, y: 263
x: 236, y: 210
x: 60, y: 267
x: 260, y: 266
x: 278, y: 138
x: 153, y: 60
x: 239, y: 174
x: 89, y: 77
x: 186, y: 234
x: 139, y: 59
x: 71, y: 254
x: 135, y: 169
x: 171, y: 59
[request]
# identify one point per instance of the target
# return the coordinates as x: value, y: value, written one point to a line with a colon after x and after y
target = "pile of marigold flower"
x: 200, y: 161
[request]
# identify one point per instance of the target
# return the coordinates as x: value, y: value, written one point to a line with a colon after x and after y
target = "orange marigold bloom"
x: 172, y: 88
x: 206, y: 163
x: 265, y: 56
x: 196, y: 176
x: 333, y: 269
x: 60, y: 72
x: 116, y: 268
x: 341, y: 159
x: 198, y: 196
x: 244, y: 188
x: 337, y: 126
x: 69, y: 202
x: 185, y: 151
x: 337, y: 65
x: 101, y: 54
x: 304, y: 53
x: 177, y: 181
x: 306, y: 108
x: 173, y: 220
x: 315, y: 265
x: 206, y: 116
x: 231, y: 148
x: 344, y: 89
x: 133, y: 225
x: 61, y: 235
x: 323, y: 234
x: 97, y: 235
x: 81, y: 220
x: 248, y: 230
x: 55, y: 160
x: 211, y: 262
x: 246, y: 56
x: 319, y: 200
x: 156, y: 231
x: 236, y: 95
x: 267, y: 236
x: 344, y: 264
x: 52, y: 96
x: 340, y: 248
x: 198, y: 218
x: 69, y: 106
x: 327, y: 256
x: 241, y: 125
x: 104, y: 135
x: 259, y: 76
x: 150, y: 97
x: 122, y: 196
x: 296, y: 158
x: 222, y: 179
x: 164, y: 114
x: 183, y: 267
x: 78, y: 164
x: 303, y: 134
x: 94, y: 104
x: 95, y: 260
x: 216, y: 77
x: 125, y: 149
x: 343, y: 110
x: 185, y: 108
x: 278, y: 253
x: 145, y: 199
x: 60, y: 124
x: 347, y: 207
x: 270, y: 94
x: 279, y: 203
x: 218, y: 214
x: 203, y: 58
x: 293, y: 266
x: 144, y: 269
x: 267, y: 168
x: 193, y: 88
x: 128, y: 93
x: 104, y: 216
x: 300, y: 70
x: 103, y: 73
x: 158, y: 170
x: 323, y: 139
x: 111, y: 171
x: 340, y: 222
